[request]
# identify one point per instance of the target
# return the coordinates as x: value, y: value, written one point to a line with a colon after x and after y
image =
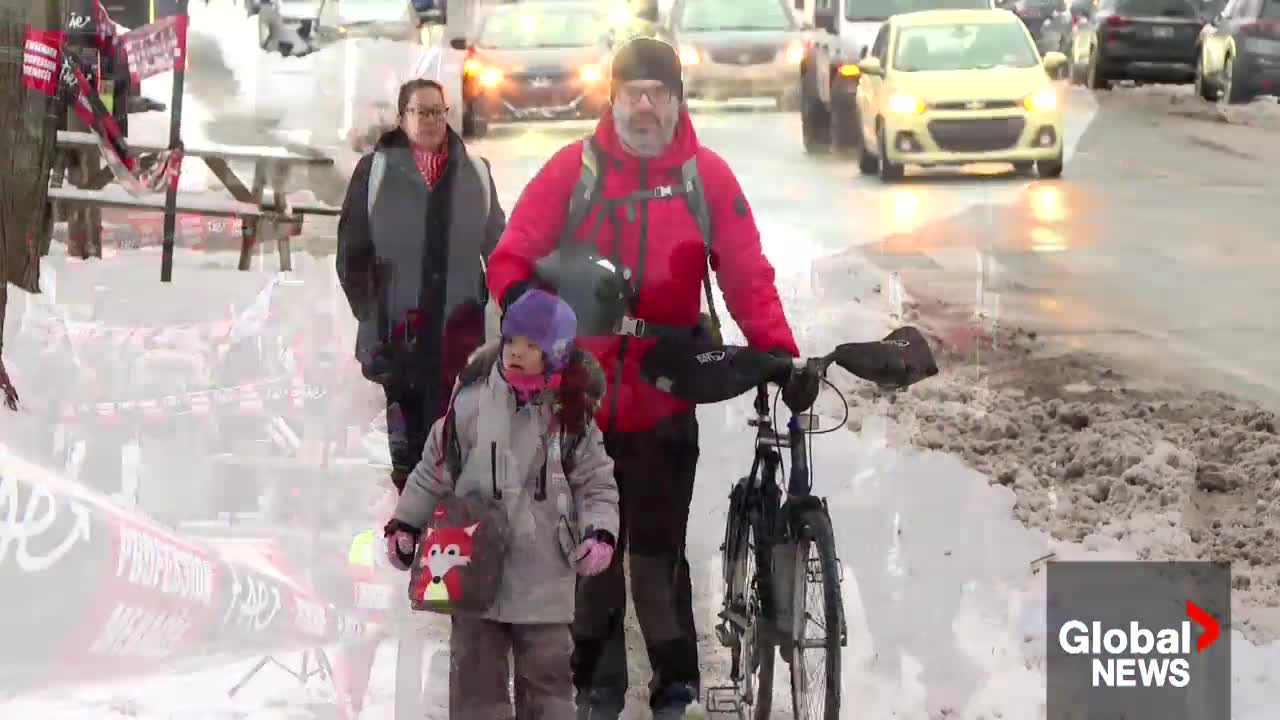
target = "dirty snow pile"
x: 1182, y: 100
x: 1100, y: 459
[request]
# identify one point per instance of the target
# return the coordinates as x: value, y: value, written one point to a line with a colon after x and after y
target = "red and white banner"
x: 42, y: 60
x: 154, y: 49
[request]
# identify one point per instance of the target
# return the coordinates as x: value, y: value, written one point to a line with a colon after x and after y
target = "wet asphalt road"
x: 1157, y: 248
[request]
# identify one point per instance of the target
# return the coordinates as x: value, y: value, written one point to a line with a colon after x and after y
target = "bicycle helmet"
x: 597, y: 290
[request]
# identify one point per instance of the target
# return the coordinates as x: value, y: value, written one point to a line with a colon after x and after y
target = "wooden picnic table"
x: 262, y: 205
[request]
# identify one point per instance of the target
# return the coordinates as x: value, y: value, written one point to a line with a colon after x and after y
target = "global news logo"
x: 1137, y: 656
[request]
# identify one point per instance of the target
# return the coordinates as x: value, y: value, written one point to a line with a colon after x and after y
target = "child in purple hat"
x: 520, y: 429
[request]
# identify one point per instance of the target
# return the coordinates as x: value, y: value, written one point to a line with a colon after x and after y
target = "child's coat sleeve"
x: 595, y: 492
x: 427, y: 484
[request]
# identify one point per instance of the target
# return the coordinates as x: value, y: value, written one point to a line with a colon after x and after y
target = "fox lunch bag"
x: 459, y: 563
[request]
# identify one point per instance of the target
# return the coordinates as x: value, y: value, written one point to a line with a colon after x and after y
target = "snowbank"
x: 1181, y: 100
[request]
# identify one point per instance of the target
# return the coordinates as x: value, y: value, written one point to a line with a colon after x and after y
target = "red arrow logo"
x: 1211, y: 629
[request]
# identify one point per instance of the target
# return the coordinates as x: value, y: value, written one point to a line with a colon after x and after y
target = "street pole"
x: 175, y: 141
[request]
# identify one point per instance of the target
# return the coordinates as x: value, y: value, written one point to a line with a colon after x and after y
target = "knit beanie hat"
x: 646, y: 58
x: 546, y: 320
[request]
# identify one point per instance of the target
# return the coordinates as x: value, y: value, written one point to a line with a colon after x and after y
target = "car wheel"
x: 815, y: 118
x: 473, y: 126
x: 845, y: 138
x: 1203, y: 87
x: 1022, y: 167
x: 1095, y: 80
x: 1050, y: 169
x: 265, y: 39
x: 889, y: 171
x: 1231, y: 90
x: 868, y: 162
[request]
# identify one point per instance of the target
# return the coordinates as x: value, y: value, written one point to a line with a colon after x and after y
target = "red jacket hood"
x: 682, y: 147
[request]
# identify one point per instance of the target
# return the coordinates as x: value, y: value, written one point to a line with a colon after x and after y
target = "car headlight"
x: 795, y: 53
x: 1041, y: 100
x: 590, y: 74
x: 490, y: 77
x: 690, y: 56
x: 906, y: 104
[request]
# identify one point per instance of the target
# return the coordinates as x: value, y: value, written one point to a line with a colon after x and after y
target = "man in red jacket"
x: 640, y: 148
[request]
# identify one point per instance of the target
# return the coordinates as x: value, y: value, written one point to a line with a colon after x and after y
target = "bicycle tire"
x: 742, y: 531
x: 813, y: 530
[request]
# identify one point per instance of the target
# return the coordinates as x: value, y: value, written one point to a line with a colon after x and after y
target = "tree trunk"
x: 27, y: 132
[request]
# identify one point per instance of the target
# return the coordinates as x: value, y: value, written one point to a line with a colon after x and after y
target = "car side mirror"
x: 458, y: 43
x: 1054, y: 61
x: 870, y: 66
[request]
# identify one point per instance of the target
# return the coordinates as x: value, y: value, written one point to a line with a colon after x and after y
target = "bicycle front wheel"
x: 745, y: 563
x: 817, y: 620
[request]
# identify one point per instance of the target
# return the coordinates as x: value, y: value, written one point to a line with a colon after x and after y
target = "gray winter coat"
x: 383, y: 262
x: 539, y: 579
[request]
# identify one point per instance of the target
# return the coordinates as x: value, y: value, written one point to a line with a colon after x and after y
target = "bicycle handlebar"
x: 705, y: 374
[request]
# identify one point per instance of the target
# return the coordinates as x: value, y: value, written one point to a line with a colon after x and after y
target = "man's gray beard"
x: 647, y: 144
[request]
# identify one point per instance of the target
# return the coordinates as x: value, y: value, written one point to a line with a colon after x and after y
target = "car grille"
x: 974, y: 105
x: 745, y: 55
x: 976, y: 135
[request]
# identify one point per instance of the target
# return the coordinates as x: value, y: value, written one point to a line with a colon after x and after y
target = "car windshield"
x: 1157, y: 8
x: 705, y: 15
x: 879, y: 10
x: 524, y: 28
x: 976, y: 46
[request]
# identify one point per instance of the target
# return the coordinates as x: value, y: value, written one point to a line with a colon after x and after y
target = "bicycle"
x: 769, y: 538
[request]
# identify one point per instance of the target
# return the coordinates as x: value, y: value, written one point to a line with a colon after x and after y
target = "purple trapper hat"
x: 546, y: 320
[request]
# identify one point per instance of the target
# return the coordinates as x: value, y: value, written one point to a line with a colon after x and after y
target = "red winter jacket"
x: 669, y: 280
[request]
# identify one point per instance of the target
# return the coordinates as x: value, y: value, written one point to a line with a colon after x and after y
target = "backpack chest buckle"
x: 631, y: 326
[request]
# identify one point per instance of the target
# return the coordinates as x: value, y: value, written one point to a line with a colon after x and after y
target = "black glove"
x: 513, y: 293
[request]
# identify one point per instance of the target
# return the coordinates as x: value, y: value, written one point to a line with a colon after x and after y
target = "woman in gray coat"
x: 420, y: 217
x: 519, y: 431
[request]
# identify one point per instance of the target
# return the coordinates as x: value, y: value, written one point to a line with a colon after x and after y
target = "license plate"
x: 1162, y: 32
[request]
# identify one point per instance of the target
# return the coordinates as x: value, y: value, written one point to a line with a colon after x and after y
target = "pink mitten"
x: 400, y: 545
x: 593, y: 557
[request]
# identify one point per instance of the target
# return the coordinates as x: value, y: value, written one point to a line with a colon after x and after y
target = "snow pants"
x: 655, y: 472
x: 480, y: 675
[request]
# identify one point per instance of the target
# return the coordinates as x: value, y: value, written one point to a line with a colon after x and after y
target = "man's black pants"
x: 655, y: 472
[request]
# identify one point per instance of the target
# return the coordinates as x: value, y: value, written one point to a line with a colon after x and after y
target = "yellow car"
x: 954, y: 87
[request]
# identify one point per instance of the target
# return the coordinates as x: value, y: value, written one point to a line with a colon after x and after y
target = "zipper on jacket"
x: 493, y: 469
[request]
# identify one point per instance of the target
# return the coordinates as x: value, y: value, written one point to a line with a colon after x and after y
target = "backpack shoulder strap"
x: 590, y: 179
x: 696, y: 197
x: 569, y: 442
x: 482, y: 171
x: 376, y: 171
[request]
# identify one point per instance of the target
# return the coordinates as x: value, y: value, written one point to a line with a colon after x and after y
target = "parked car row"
x: 1231, y: 54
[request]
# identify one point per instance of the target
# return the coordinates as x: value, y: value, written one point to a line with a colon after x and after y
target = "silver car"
x: 738, y: 49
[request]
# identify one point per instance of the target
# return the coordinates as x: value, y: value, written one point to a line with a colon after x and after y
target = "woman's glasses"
x: 434, y: 113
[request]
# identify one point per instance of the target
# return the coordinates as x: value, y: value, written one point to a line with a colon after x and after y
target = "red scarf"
x: 431, y: 164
